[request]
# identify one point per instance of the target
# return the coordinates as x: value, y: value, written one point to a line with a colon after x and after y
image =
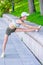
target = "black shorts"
x: 9, y: 31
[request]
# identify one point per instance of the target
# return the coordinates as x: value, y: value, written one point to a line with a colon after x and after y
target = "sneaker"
x: 39, y: 26
x: 38, y: 29
x: 2, y: 55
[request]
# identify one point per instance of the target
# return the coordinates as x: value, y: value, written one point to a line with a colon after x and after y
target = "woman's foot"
x: 3, y: 55
x: 38, y: 28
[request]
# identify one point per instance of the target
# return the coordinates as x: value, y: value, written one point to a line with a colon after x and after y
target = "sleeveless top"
x: 16, y: 24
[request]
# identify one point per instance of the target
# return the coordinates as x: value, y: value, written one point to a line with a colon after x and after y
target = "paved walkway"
x: 16, y: 52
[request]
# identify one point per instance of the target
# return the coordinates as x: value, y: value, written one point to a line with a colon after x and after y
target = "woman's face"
x: 24, y: 17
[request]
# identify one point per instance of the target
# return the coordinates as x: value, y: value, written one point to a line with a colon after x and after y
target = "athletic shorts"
x: 9, y: 31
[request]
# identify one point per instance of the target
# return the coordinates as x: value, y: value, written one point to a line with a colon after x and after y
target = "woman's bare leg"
x: 24, y: 30
x: 4, y: 45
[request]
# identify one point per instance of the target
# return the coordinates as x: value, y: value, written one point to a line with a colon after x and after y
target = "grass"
x: 36, y: 18
x: 23, y: 6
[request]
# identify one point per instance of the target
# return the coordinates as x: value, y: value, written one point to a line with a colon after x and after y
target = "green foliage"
x: 20, y: 7
x: 4, y: 7
x: 23, y: 6
x: 36, y: 18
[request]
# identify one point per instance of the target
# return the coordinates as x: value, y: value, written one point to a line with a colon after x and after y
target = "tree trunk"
x: 41, y: 6
x: 31, y: 6
x: 12, y: 6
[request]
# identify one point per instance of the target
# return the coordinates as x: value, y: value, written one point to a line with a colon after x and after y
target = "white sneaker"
x: 39, y: 28
x: 2, y: 55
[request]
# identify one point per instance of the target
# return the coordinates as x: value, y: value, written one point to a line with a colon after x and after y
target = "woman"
x: 14, y: 27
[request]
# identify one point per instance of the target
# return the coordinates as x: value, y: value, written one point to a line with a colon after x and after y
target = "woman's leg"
x: 4, y: 45
x: 24, y: 30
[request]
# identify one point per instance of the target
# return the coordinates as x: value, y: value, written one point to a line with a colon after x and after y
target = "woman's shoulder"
x: 18, y: 21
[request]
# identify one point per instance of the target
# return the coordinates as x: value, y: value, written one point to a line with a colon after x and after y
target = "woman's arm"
x: 29, y: 26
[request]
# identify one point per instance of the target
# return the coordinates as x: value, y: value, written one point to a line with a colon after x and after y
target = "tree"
x: 12, y: 4
x: 31, y: 6
x: 7, y: 6
x: 41, y: 6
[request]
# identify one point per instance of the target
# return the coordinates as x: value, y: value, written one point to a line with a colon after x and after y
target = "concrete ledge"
x: 9, y: 17
x: 34, y: 40
x: 35, y: 47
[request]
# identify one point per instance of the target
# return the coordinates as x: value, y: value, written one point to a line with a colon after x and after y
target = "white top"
x: 14, y: 22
